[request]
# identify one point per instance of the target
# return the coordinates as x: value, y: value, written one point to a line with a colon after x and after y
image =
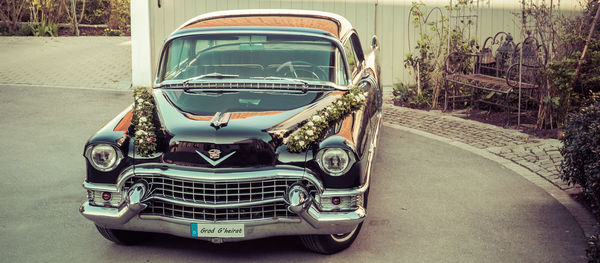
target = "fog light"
x: 298, y: 198
x: 336, y: 200
x: 106, y: 196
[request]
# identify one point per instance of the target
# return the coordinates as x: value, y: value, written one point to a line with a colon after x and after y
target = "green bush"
x: 401, y: 92
x: 25, y: 30
x: 43, y: 29
x: 581, y: 152
x: 404, y: 93
x: 593, y: 250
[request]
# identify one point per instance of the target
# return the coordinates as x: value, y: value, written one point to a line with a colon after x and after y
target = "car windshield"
x: 249, y: 56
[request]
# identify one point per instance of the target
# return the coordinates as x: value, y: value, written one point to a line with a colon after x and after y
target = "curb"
x: 582, y: 216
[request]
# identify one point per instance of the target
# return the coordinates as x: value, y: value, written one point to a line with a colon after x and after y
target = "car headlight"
x: 103, y: 157
x: 335, y: 161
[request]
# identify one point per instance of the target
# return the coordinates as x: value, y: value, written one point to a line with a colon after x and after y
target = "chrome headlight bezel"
x: 322, y: 164
x: 118, y: 157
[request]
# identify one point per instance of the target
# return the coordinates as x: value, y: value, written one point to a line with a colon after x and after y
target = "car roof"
x: 335, y: 24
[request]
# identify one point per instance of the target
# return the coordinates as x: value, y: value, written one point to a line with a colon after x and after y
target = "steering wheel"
x: 303, y: 69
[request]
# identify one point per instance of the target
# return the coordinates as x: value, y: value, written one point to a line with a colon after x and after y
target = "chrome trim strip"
x: 371, y: 156
x: 342, y: 192
x: 100, y: 187
x: 134, y: 155
x: 248, y: 85
x: 215, y: 206
x: 254, y: 222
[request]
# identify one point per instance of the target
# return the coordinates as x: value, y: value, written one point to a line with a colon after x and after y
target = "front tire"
x: 330, y: 244
x: 123, y: 237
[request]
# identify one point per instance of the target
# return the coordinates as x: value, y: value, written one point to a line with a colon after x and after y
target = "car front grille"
x: 218, y: 192
x: 240, y: 196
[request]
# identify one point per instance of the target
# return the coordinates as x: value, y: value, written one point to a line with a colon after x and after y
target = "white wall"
x: 392, y: 25
x: 141, y: 54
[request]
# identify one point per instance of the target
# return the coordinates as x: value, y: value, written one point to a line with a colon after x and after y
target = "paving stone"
x: 535, y: 168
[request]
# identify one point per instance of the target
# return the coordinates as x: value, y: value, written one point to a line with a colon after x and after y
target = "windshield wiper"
x: 214, y: 75
x: 304, y: 82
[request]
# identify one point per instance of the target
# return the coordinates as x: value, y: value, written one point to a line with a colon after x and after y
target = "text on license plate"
x: 217, y: 230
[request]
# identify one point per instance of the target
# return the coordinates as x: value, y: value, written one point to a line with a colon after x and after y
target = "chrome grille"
x: 219, y: 192
x: 239, y: 194
x: 272, y: 210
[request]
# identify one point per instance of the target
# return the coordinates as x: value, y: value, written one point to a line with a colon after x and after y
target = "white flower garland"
x: 143, y: 122
x: 315, y: 128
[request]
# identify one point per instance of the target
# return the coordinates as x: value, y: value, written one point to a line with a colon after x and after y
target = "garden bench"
x: 496, y: 69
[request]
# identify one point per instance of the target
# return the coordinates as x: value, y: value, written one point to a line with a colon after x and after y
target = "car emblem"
x: 214, y: 153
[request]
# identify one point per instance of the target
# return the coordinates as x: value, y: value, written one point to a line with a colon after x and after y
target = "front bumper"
x: 314, y: 222
x: 309, y: 219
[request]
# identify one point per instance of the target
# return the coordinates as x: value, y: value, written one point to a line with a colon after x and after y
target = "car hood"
x: 254, y: 135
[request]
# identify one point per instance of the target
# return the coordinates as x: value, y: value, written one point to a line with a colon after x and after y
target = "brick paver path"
x: 540, y: 156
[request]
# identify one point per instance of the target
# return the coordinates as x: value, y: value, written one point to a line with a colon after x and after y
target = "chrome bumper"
x: 310, y: 220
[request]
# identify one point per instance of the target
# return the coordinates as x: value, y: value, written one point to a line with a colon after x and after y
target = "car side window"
x: 351, y: 57
x: 358, y: 52
x: 340, y: 69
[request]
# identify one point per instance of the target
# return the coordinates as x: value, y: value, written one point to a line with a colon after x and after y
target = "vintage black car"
x: 260, y: 123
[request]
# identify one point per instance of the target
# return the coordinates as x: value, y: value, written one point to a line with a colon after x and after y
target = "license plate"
x: 217, y: 230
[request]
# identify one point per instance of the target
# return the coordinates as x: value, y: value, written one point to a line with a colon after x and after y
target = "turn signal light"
x: 106, y: 196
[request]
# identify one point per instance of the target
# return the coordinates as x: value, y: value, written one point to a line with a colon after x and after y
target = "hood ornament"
x: 220, y: 119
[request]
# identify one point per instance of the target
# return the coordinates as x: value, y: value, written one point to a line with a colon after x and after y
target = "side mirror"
x: 374, y: 43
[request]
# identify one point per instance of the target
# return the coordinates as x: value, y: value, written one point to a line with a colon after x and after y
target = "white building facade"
x: 153, y: 20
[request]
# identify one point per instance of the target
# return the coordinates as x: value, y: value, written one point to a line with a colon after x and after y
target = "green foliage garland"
x: 312, y: 132
x: 143, y: 122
